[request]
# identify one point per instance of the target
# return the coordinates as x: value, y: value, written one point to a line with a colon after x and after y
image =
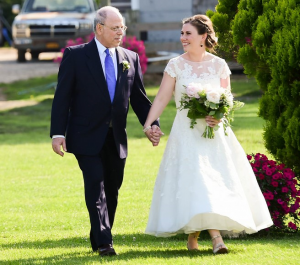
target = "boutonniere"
x: 126, y: 65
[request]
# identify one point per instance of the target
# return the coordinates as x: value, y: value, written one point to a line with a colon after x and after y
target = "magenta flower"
x: 269, y: 172
x: 265, y: 167
x: 280, y: 201
x: 274, y: 183
x: 292, y: 225
x: 272, y: 163
x: 257, y: 156
x: 280, y: 189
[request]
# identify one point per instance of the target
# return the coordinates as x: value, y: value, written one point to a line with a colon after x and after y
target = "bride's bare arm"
x: 162, y: 98
x: 225, y: 83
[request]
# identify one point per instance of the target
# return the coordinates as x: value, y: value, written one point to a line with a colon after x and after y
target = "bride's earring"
x: 201, y: 45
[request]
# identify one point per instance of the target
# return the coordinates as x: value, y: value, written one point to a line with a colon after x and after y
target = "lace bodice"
x: 210, y: 71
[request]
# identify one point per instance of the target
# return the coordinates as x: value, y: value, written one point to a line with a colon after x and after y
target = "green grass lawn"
x: 43, y: 218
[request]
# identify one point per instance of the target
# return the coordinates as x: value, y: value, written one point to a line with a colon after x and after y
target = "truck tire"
x: 21, y: 56
x: 1, y: 35
x: 35, y: 55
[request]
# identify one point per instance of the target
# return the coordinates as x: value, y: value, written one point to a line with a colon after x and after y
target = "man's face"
x: 110, y: 34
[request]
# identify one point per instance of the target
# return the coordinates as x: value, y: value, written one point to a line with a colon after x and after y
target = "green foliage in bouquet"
x: 267, y: 35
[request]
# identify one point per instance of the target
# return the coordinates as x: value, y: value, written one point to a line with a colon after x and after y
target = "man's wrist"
x: 57, y: 136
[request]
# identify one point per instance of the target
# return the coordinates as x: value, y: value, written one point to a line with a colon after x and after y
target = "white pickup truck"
x: 45, y: 25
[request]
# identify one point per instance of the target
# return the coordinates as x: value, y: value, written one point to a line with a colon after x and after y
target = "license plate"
x: 52, y: 45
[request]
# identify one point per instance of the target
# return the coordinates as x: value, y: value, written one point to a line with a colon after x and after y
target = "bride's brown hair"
x: 203, y: 25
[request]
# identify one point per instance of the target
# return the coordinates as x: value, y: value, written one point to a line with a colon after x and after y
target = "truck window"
x: 78, y: 6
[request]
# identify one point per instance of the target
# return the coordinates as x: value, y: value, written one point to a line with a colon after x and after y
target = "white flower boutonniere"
x: 126, y: 65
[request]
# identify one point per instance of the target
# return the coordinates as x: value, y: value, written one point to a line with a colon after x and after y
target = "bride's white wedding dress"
x: 204, y: 183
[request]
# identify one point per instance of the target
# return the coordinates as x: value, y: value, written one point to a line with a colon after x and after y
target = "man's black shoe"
x: 107, y: 250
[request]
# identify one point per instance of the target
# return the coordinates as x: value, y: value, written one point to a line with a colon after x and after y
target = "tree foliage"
x: 6, y: 6
x: 264, y: 36
x: 222, y: 21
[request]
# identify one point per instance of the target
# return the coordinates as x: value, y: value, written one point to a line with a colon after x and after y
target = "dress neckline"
x: 181, y: 56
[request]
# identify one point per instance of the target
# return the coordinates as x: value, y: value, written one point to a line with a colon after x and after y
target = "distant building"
x: 158, y: 22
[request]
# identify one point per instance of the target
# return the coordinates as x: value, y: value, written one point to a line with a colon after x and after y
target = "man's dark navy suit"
x: 95, y: 127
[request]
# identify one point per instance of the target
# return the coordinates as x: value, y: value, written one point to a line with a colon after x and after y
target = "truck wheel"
x: 34, y: 55
x: 1, y: 36
x: 21, y: 56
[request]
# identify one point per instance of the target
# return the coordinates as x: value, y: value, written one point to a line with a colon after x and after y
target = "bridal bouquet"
x: 204, y: 100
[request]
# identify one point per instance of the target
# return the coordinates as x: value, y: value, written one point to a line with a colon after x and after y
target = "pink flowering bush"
x: 280, y: 188
x: 130, y: 43
x: 71, y: 42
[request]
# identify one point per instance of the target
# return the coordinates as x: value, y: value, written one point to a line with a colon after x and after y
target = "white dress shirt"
x: 102, y: 55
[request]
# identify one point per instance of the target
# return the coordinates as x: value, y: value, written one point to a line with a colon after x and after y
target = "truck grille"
x: 52, y: 30
x: 40, y: 30
x: 63, y: 30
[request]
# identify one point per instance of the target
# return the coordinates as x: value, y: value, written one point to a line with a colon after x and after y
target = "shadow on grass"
x: 137, y: 249
x: 78, y: 258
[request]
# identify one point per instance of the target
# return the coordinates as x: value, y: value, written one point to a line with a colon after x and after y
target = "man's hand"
x: 154, y: 135
x: 211, y: 121
x: 57, y: 143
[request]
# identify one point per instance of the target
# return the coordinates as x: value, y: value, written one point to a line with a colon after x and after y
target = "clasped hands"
x: 154, y: 135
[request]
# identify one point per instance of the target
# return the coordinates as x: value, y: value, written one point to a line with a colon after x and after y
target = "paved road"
x: 11, y: 70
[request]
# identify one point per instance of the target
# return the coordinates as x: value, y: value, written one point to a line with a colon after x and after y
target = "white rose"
x: 213, y: 96
x: 229, y: 98
x: 192, y: 90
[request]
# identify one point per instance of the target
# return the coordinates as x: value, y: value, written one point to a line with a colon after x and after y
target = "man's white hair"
x: 101, y: 15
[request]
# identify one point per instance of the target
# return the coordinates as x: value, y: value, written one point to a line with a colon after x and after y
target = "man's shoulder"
x: 128, y: 52
x: 77, y: 48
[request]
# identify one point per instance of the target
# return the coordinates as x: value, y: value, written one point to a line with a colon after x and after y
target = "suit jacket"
x: 82, y: 109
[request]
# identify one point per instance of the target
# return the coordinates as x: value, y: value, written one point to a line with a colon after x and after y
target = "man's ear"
x: 99, y: 28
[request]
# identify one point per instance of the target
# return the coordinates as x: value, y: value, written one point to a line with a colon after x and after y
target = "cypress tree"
x: 266, y: 37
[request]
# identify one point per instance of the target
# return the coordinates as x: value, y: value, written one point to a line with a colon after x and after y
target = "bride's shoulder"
x: 174, y: 62
x: 176, y: 59
x: 217, y: 59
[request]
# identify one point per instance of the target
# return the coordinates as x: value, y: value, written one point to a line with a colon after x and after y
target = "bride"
x: 202, y: 184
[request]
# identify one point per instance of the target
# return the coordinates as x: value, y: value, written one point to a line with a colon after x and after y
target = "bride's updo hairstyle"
x: 203, y: 25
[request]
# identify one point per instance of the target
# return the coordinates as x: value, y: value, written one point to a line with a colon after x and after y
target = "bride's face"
x: 190, y: 38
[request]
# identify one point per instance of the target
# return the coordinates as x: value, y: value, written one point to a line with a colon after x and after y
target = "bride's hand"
x: 211, y: 121
x: 154, y: 135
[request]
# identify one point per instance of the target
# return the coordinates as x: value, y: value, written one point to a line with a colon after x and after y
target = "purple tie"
x: 110, y: 75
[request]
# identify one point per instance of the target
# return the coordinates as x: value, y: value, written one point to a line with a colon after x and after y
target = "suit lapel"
x: 95, y: 67
x: 121, y: 56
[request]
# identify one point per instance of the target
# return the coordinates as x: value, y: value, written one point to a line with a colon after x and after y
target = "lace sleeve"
x: 170, y: 68
x: 225, y: 71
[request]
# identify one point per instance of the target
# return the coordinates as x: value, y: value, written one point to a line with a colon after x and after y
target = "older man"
x: 96, y: 82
